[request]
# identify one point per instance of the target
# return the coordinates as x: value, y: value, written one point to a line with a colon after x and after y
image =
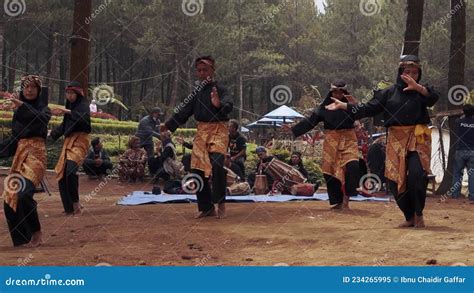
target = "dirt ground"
x: 254, y: 234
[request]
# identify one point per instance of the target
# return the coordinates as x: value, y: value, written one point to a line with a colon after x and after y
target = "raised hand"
x: 412, y: 85
x: 163, y: 127
x: 350, y: 99
x: 215, y: 99
x: 337, y: 105
x: 179, y: 139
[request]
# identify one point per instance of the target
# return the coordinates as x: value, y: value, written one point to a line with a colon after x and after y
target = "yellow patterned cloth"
x: 400, y: 141
x: 29, y: 162
x: 211, y: 137
x: 339, y: 148
x: 75, y: 149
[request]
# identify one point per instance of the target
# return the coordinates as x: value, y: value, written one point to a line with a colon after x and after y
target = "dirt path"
x: 295, y: 233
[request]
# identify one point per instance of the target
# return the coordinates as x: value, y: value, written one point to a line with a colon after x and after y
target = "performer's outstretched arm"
x: 307, y: 123
x: 182, y: 114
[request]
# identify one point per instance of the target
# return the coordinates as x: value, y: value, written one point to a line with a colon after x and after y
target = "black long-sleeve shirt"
x: 333, y: 120
x: 399, y: 108
x: 199, y: 104
x: 29, y: 120
x: 79, y: 120
x: 92, y: 155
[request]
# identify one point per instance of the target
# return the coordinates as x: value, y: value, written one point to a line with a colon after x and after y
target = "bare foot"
x: 419, y: 222
x: 210, y: 213
x: 221, y: 211
x: 36, y: 240
x: 407, y: 224
x: 77, y: 208
x: 345, y: 203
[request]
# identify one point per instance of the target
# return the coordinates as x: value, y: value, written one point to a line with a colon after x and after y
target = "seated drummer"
x: 234, y: 166
x: 297, y: 163
x: 264, y: 159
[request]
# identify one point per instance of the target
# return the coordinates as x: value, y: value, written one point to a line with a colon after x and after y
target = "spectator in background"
x: 297, y: 163
x: 237, y: 145
x: 165, y: 164
x: 148, y: 128
x: 464, y: 157
x: 97, y: 161
x: 132, y: 162
x: 93, y: 107
x: 264, y: 159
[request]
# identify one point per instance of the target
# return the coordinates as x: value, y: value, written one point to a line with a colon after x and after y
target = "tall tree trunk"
x: 413, y: 27
x: 100, y: 58
x: 107, y: 68
x: 2, y: 51
x: 174, y: 90
x: 63, y: 65
x: 51, y: 57
x: 11, y: 70
x: 80, y: 43
x: 455, y: 77
x: 27, y: 57
x: 239, y: 64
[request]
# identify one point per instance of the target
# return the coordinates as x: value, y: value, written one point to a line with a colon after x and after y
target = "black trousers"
x: 334, y: 186
x: 156, y: 169
x: 69, y: 187
x: 150, y: 150
x: 412, y: 201
x: 206, y: 196
x: 24, y: 222
x: 93, y: 170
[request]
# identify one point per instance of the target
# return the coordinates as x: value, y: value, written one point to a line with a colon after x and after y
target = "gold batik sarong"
x: 339, y: 148
x: 29, y: 163
x: 75, y: 149
x: 400, y: 141
x: 211, y: 137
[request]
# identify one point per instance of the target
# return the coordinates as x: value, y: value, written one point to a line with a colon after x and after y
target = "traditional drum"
x: 304, y: 189
x: 261, y: 185
x: 241, y: 188
x: 285, y: 176
x: 231, y: 177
